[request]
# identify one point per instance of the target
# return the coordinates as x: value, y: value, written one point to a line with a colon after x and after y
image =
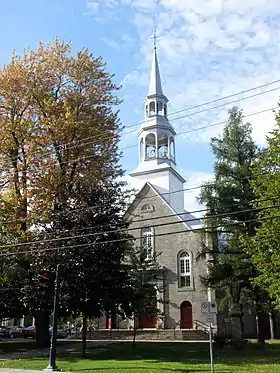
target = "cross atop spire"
x: 155, y: 38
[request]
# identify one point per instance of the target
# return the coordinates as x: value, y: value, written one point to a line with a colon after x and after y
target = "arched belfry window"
x: 152, y: 108
x: 150, y: 151
x: 185, y: 269
x: 162, y: 145
x: 147, y: 242
x: 165, y: 109
x: 141, y: 149
x: 172, y: 149
x: 160, y: 108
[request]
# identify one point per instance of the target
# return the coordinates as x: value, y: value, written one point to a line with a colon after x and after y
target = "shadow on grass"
x: 186, y: 353
x: 145, y: 369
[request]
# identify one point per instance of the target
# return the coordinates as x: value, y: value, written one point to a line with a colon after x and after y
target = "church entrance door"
x: 186, y: 315
x: 147, y: 321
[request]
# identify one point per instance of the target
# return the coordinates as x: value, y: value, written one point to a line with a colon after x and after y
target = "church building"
x: 159, y: 221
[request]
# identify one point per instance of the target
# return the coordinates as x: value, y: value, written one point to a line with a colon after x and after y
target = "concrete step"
x: 147, y: 334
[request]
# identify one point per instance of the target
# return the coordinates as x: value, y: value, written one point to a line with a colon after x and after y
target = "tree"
x: 229, y: 199
x: 57, y: 129
x: 144, y: 291
x: 264, y: 246
x: 91, y: 242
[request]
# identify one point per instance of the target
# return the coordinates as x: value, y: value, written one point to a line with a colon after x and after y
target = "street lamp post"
x: 52, y: 360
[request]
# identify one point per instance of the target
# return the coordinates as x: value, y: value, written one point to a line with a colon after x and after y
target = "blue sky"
x: 207, y: 49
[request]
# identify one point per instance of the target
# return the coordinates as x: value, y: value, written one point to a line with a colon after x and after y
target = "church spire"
x: 155, y: 87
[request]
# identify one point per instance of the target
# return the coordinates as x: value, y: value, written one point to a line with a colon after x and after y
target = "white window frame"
x: 185, y: 269
x: 147, y: 242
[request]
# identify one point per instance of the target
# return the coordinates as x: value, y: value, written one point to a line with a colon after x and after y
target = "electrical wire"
x: 7, y: 254
x: 181, y: 133
x: 17, y: 221
x: 86, y: 142
x: 138, y: 227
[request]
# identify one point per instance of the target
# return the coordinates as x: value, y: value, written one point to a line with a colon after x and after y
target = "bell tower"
x: 156, y: 139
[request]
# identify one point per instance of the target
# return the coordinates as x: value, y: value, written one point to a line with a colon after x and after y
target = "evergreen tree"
x: 229, y: 199
x: 264, y: 246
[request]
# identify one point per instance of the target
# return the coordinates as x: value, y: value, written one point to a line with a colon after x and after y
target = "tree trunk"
x: 84, y: 336
x: 262, y: 331
x: 271, y: 324
x: 134, y: 331
x: 42, y: 329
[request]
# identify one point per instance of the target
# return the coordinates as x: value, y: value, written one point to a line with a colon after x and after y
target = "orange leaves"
x: 56, y: 115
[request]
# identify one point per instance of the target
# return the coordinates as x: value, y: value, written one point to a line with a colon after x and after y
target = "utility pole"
x: 52, y: 360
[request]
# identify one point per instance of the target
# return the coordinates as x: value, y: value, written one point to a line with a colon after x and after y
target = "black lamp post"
x: 52, y: 364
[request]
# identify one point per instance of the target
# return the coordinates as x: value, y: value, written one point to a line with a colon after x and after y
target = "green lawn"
x: 19, y: 345
x: 162, y: 358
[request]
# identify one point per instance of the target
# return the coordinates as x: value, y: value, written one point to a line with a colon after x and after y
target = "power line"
x: 139, y: 227
x: 86, y: 142
x: 18, y: 221
x: 133, y: 238
x: 180, y: 133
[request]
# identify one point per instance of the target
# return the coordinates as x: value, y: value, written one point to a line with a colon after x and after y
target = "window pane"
x: 182, y: 281
x: 185, y: 281
x: 187, y: 265
x: 182, y: 266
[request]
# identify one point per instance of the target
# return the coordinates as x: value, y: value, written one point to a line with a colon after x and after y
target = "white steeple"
x: 155, y: 87
x: 157, y: 143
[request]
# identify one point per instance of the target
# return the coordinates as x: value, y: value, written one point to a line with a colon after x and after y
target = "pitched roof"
x: 189, y: 220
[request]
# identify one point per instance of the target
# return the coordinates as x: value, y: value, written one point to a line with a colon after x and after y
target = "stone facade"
x: 172, y: 236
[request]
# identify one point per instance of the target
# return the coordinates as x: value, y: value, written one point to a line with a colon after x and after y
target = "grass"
x: 18, y: 345
x: 161, y: 358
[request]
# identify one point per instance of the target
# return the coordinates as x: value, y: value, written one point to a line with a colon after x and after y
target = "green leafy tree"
x: 93, y: 271
x: 229, y: 199
x: 264, y: 246
x: 144, y: 291
x: 58, y: 129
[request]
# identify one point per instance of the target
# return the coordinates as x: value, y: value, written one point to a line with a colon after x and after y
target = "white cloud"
x: 207, y: 49
x: 110, y: 42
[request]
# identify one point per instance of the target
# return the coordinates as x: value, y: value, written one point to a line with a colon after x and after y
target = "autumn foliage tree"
x: 58, y: 128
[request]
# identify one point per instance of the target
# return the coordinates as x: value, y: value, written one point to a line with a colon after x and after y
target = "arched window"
x: 152, y: 108
x: 162, y: 145
x: 141, y: 149
x: 147, y: 242
x: 172, y: 149
x: 185, y: 270
x: 159, y: 107
x: 165, y: 109
x: 147, y: 208
x: 150, y: 142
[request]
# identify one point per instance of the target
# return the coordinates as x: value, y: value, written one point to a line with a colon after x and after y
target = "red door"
x: 186, y: 316
x: 147, y: 321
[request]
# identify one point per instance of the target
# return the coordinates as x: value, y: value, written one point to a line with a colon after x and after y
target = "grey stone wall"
x: 171, y: 237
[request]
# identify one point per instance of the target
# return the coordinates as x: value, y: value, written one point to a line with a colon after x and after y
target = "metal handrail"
x: 201, y: 324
